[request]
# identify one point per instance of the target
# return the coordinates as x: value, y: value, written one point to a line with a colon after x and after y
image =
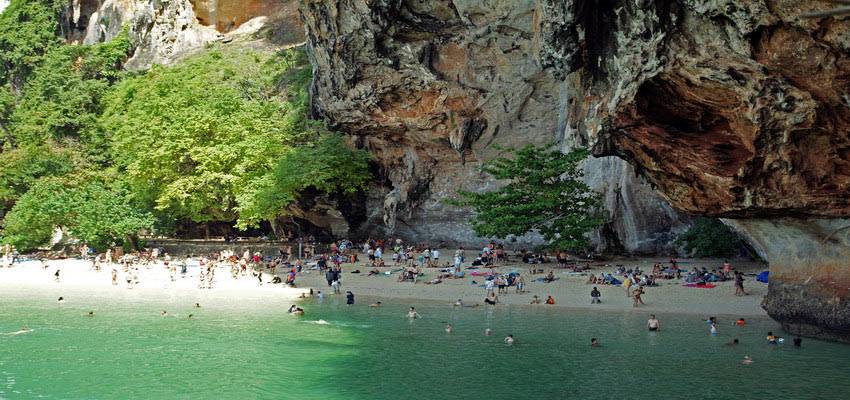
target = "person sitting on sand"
x: 591, y: 280
x: 535, y: 300
x: 550, y: 300
x: 375, y: 304
x: 412, y: 314
x: 509, y: 340
x: 550, y: 277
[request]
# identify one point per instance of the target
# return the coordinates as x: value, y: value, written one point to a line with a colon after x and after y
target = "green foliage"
x: 62, y: 96
x: 22, y: 167
x: 194, y: 137
x: 709, y: 237
x: 28, y: 30
x: 87, y: 207
x: 544, y: 193
x: 328, y: 166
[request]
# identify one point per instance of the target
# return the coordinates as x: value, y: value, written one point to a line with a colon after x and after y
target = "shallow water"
x: 340, y: 352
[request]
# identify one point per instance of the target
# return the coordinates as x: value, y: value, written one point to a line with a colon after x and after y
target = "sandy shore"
x: 29, y: 279
x: 78, y: 283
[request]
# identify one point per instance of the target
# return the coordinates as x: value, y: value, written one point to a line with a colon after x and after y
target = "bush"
x: 710, y: 238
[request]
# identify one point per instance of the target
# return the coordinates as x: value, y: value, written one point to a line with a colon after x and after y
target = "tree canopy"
x: 543, y: 193
x: 221, y: 135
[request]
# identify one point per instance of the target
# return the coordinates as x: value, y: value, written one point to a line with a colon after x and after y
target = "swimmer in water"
x: 197, y: 305
x: 509, y: 340
x: 747, y: 360
x: 594, y: 342
x: 412, y: 314
x: 61, y: 300
x: 733, y: 343
x: 163, y: 313
x: 190, y: 316
x: 23, y: 329
x: 458, y: 303
x: 90, y: 314
x: 449, y: 328
x: 375, y: 304
x: 488, y: 332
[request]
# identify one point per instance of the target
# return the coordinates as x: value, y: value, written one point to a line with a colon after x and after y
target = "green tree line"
x: 104, y: 154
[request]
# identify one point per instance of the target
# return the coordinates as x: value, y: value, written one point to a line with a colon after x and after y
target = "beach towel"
x: 701, y: 285
x: 762, y: 277
x: 544, y: 280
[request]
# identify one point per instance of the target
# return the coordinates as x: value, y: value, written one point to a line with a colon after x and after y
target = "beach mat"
x: 698, y: 286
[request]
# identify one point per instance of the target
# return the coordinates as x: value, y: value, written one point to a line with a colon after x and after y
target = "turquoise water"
x: 129, y: 351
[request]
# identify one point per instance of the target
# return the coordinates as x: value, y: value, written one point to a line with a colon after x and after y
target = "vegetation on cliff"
x: 544, y: 194
x: 222, y: 136
x: 710, y: 238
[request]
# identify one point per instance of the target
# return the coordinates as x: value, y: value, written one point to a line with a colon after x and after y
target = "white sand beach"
x: 30, y: 279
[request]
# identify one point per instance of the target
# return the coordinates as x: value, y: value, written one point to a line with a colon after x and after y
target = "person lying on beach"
x: 374, y: 271
x: 412, y: 314
x: 434, y: 281
x: 535, y: 300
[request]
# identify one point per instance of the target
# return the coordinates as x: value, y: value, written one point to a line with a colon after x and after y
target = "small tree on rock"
x: 544, y: 193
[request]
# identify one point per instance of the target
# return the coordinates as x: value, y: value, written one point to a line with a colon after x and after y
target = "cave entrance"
x: 227, y: 15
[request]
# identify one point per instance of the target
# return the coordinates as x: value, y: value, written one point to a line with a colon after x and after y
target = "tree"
x: 87, y: 207
x: 327, y: 166
x: 709, y: 237
x: 544, y: 193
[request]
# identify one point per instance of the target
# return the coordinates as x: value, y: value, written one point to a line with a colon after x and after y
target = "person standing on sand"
x: 595, y: 295
x: 114, y: 277
x: 627, y: 283
x: 739, y: 284
x: 637, y: 298
x: 653, y: 324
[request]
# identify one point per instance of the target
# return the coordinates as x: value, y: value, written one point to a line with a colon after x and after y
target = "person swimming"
x: 740, y: 322
x: 61, y: 300
x: 163, y: 313
x: 509, y: 340
x: 23, y: 329
x: 594, y: 342
x: 90, y: 314
x: 733, y: 343
x: 376, y: 304
x: 458, y: 303
x: 197, y: 305
x: 488, y: 332
x: 771, y: 338
x: 190, y: 316
x: 449, y: 328
x: 747, y: 360
x: 412, y: 314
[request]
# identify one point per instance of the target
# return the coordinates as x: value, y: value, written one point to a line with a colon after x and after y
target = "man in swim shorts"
x: 653, y: 323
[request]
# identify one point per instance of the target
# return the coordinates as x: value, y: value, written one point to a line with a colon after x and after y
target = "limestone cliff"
x: 732, y: 109
x: 430, y: 87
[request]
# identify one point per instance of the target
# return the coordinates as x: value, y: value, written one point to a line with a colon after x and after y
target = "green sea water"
x: 128, y: 351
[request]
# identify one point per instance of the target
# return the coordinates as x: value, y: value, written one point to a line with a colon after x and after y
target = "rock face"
x: 733, y: 109
x: 227, y: 15
x: 429, y: 87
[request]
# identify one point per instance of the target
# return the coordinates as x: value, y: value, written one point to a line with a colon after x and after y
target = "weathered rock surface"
x: 430, y: 87
x: 732, y: 109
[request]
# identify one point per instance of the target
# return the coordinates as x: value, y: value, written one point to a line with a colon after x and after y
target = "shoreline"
x: 28, y: 280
